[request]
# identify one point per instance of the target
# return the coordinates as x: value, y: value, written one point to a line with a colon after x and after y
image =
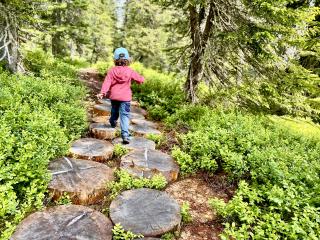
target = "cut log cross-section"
x: 103, y: 131
x: 102, y: 110
x: 65, y: 222
x: 92, y: 149
x: 146, y: 163
x: 146, y: 211
x: 136, y: 143
x: 84, y: 181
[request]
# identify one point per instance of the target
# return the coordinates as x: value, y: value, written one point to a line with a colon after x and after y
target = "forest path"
x: 84, y: 174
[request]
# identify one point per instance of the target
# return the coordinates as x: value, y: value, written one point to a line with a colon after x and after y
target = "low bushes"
x: 39, y: 116
x: 161, y: 93
x: 278, y: 170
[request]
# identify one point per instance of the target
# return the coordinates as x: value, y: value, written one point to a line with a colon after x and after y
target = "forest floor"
x: 195, y: 190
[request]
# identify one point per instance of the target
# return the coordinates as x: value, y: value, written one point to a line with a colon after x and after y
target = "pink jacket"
x: 117, y: 84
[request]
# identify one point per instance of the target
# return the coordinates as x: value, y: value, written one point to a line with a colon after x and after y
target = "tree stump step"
x: 146, y: 211
x: 136, y: 116
x: 102, y: 110
x: 103, y: 131
x: 84, y: 181
x: 146, y: 163
x: 105, y: 101
x: 65, y: 222
x: 138, y: 110
x: 91, y: 149
x: 137, y: 143
x: 143, y: 129
x: 144, y: 123
x: 100, y: 119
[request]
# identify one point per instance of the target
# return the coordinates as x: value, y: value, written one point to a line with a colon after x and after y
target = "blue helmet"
x: 121, y: 53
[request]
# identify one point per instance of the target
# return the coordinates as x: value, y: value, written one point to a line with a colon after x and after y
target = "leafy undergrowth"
x: 278, y: 174
x: 39, y: 115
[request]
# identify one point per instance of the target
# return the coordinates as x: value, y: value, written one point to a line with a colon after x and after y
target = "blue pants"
x: 122, y: 108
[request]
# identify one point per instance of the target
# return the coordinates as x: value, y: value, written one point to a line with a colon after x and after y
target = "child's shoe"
x: 125, y: 140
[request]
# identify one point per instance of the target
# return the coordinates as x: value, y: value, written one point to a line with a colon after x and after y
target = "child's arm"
x: 106, y: 84
x: 137, y: 77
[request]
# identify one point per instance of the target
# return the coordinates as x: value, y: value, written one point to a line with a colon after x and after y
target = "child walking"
x: 117, y: 87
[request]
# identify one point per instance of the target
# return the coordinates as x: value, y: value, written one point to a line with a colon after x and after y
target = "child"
x: 117, y: 87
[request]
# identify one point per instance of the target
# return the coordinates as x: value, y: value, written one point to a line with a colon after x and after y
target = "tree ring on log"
x: 102, y: 110
x: 147, y: 163
x: 84, y: 181
x: 100, y: 119
x: 144, y: 123
x: 137, y: 143
x: 91, y: 149
x: 146, y: 211
x: 143, y: 130
x: 65, y: 222
x: 103, y: 131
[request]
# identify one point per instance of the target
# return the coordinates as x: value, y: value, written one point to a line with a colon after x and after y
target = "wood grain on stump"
x: 65, y: 222
x: 84, y: 181
x: 146, y: 163
x: 138, y: 110
x: 103, y: 131
x: 146, y: 211
x: 136, y: 116
x: 91, y: 149
x: 101, y: 110
x: 100, y: 119
x: 144, y: 123
x: 137, y: 143
x: 144, y: 129
x: 104, y: 101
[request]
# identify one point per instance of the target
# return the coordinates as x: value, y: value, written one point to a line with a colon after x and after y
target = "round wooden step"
x: 100, y: 119
x: 136, y: 143
x: 146, y: 211
x: 91, y: 149
x: 146, y: 163
x: 136, y: 116
x: 143, y: 129
x: 84, y: 181
x: 144, y: 123
x: 103, y: 131
x: 65, y: 222
x: 105, y: 101
x: 138, y: 110
x: 102, y: 110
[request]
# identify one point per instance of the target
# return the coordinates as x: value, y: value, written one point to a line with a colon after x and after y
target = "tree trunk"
x: 199, y: 41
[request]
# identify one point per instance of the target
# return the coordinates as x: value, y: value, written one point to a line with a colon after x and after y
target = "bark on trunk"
x: 198, y: 21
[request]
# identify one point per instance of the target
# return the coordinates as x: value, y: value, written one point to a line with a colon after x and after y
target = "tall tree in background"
x: 145, y: 33
x: 234, y: 40
x: 68, y: 27
x: 101, y: 19
x: 15, y: 17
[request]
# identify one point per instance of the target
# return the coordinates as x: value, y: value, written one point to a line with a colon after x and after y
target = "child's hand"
x: 100, y: 95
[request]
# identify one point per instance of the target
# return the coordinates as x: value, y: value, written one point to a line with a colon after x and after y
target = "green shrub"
x: 161, y: 93
x: 119, y: 151
x: 278, y: 170
x: 157, y: 138
x: 39, y: 116
x: 64, y: 200
x: 120, y: 234
x: 124, y: 181
x: 185, y: 213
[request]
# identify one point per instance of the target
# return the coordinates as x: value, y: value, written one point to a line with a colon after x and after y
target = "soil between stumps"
x: 137, y: 143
